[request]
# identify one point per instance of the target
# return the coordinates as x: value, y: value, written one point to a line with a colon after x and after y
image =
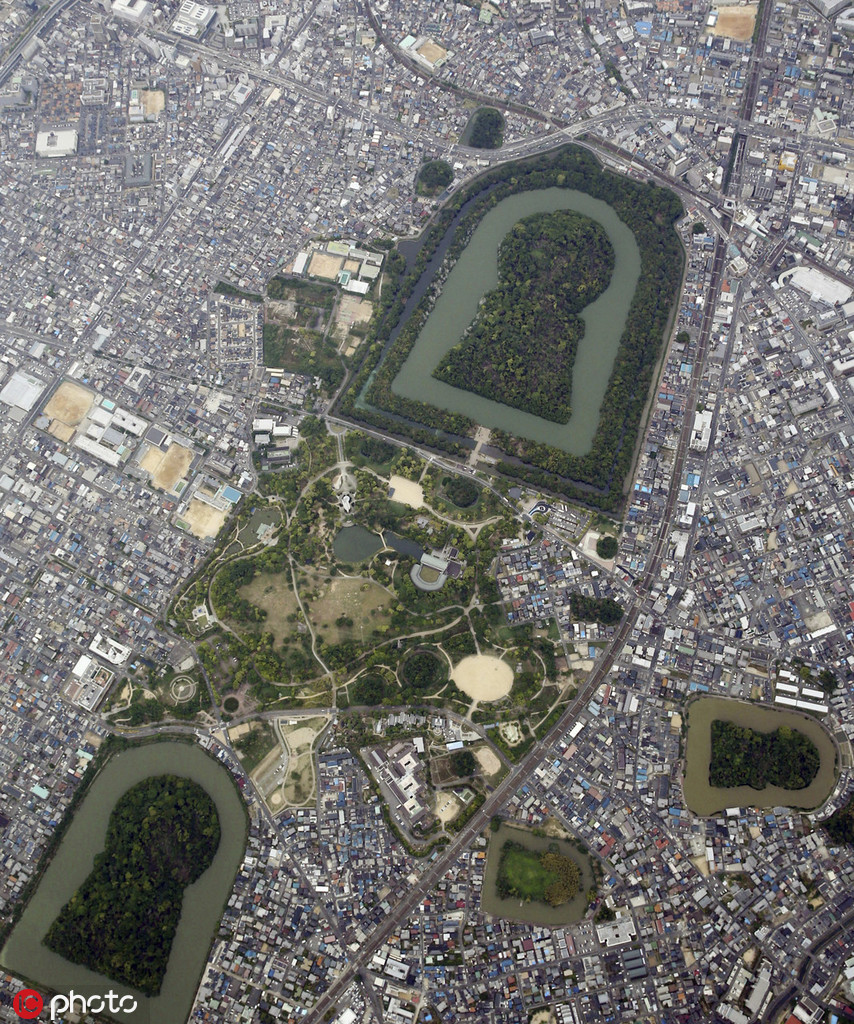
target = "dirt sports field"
x: 484, y: 677
x: 488, y: 760
x: 325, y: 265
x: 154, y: 100
x: 69, y: 404
x: 407, y: 492
x: 736, y: 22
x: 167, y: 468
x: 204, y: 520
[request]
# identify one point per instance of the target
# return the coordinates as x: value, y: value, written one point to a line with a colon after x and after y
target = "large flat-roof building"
x: 192, y: 19
x: 56, y: 142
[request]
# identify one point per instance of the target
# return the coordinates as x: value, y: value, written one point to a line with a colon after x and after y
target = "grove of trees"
x: 742, y: 757
x: 434, y: 176
x: 487, y: 131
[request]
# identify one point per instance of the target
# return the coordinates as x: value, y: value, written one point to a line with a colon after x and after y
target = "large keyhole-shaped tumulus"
x: 161, y: 837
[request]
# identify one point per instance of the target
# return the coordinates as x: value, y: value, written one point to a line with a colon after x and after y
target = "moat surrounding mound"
x: 521, y: 347
x: 162, y: 836
x: 528, y: 878
x: 742, y: 757
x: 706, y: 799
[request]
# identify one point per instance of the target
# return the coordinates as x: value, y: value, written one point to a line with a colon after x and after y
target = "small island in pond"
x: 162, y: 836
x: 544, y: 877
x: 741, y: 757
x: 521, y: 346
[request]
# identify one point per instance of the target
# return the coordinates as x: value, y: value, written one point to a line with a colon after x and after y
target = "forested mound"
x: 162, y: 836
x: 742, y: 757
x: 521, y: 347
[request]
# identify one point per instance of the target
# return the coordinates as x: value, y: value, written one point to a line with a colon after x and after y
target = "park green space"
x: 25, y: 953
x: 705, y: 799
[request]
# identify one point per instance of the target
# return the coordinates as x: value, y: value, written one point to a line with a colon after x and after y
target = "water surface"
x: 475, y: 273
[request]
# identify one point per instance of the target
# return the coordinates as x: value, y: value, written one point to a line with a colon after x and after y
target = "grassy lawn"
x: 273, y: 592
x: 348, y: 609
x: 252, y: 747
x: 524, y: 874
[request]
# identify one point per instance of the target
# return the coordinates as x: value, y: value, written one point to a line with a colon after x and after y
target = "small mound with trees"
x: 487, y: 129
x: 741, y: 757
x: 434, y: 176
x: 423, y: 673
x: 371, y: 689
x: 607, y: 546
x: 161, y: 837
x: 463, y: 493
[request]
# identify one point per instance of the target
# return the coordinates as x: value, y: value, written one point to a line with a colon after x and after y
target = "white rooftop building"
x: 57, y: 142
x: 193, y: 19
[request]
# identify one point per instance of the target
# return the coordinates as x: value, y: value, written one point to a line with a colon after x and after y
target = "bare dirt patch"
x: 351, y: 310
x: 69, y: 403
x: 299, y: 783
x: 488, y: 760
x: 736, y: 22
x: 543, y: 1017
x: 172, y: 466
x: 204, y: 520
x: 275, y: 594
x: 61, y: 431
x: 325, y: 266
x: 154, y: 100
x: 407, y: 492
x: 432, y: 52
x: 446, y: 807
x: 483, y: 677
x: 151, y: 459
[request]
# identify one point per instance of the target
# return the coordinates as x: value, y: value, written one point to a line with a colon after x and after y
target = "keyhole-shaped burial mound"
x: 162, y: 836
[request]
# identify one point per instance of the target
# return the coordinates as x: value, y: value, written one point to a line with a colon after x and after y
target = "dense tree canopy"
x: 488, y: 129
x: 840, y: 825
x: 607, y: 546
x: 742, y: 757
x: 521, y: 347
x: 464, y: 763
x: 603, y: 610
x: 162, y: 836
x: 434, y: 176
x: 462, y: 492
